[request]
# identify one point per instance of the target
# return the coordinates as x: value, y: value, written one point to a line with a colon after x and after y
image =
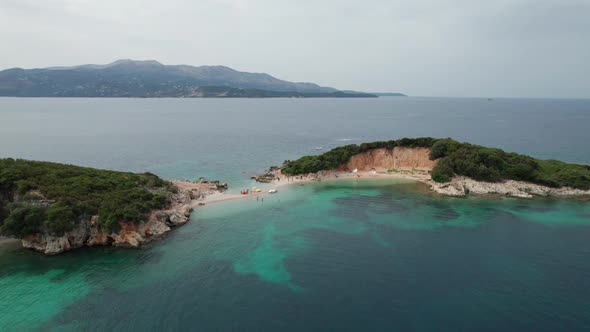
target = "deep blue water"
x: 228, y: 138
x: 339, y: 256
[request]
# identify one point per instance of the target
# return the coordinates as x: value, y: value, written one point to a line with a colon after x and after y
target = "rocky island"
x: 54, y: 207
x: 449, y: 167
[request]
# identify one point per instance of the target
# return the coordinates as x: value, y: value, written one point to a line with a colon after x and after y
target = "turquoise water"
x: 344, y: 256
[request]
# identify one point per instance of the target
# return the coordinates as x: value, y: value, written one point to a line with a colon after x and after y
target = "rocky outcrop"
x: 265, y: 178
x: 462, y: 186
x: 214, y: 185
x: 399, y: 158
x: 269, y: 176
x: 88, y: 233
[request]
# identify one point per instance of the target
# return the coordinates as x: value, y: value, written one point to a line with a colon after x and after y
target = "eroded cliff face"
x: 410, y: 159
x: 88, y: 233
x: 399, y: 158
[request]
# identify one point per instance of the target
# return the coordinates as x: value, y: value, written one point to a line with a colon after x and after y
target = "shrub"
x: 442, y: 148
x: 78, y: 192
x: 443, y: 172
x: 60, y: 219
x: 23, y: 220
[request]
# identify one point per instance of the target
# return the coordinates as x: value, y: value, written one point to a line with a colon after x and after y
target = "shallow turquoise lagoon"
x: 376, y: 255
x: 330, y: 256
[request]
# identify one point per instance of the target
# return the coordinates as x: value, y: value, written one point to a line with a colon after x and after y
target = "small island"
x: 450, y: 168
x: 54, y: 207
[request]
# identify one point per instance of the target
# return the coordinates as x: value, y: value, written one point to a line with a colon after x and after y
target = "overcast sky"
x: 512, y: 48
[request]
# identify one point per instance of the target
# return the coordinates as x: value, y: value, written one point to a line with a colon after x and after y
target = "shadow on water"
x: 29, y: 262
x: 209, y: 297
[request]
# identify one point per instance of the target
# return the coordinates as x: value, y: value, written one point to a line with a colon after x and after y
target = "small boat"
x: 319, y: 148
x: 272, y: 191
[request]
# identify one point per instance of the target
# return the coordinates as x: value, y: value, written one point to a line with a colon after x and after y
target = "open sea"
x: 333, y: 256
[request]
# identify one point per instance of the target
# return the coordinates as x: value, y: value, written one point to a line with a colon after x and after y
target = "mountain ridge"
x: 150, y: 78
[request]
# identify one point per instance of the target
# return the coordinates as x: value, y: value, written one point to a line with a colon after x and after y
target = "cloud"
x: 422, y: 47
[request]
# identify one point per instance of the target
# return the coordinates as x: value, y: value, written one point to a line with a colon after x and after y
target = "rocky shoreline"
x: 457, y: 187
x: 400, y: 162
x: 130, y: 235
x: 415, y: 164
x: 463, y: 186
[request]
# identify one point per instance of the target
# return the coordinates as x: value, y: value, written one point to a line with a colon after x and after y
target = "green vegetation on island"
x: 459, y: 159
x: 44, y: 197
x: 340, y: 155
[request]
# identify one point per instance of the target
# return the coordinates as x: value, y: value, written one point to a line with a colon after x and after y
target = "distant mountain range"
x: 131, y: 78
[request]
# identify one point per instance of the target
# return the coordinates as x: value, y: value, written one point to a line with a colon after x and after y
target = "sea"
x: 350, y: 255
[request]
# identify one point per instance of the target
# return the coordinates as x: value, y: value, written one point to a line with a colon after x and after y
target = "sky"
x: 460, y: 48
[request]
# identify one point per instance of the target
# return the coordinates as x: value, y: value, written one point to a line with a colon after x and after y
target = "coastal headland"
x: 53, y: 208
x: 449, y: 167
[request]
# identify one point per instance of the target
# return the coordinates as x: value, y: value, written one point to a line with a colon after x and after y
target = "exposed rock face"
x: 87, y: 232
x: 400, y: 158
x: 407, y: 160
x: 461, y: 186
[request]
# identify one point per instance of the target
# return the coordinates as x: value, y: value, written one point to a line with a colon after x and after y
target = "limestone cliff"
x: 87, y: 232
x: 399, y: 158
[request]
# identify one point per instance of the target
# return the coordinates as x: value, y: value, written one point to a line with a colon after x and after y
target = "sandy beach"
x: 208, y: 195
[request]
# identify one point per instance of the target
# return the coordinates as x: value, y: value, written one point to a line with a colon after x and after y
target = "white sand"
x: 215, y: 197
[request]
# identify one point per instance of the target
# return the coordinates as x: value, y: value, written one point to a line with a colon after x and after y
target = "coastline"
x: 286, y: 181
x: 192, y: 195
x: 415, y: 163
x: 87, y: 232
x: 459, y: 186
x: 402, y: 163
